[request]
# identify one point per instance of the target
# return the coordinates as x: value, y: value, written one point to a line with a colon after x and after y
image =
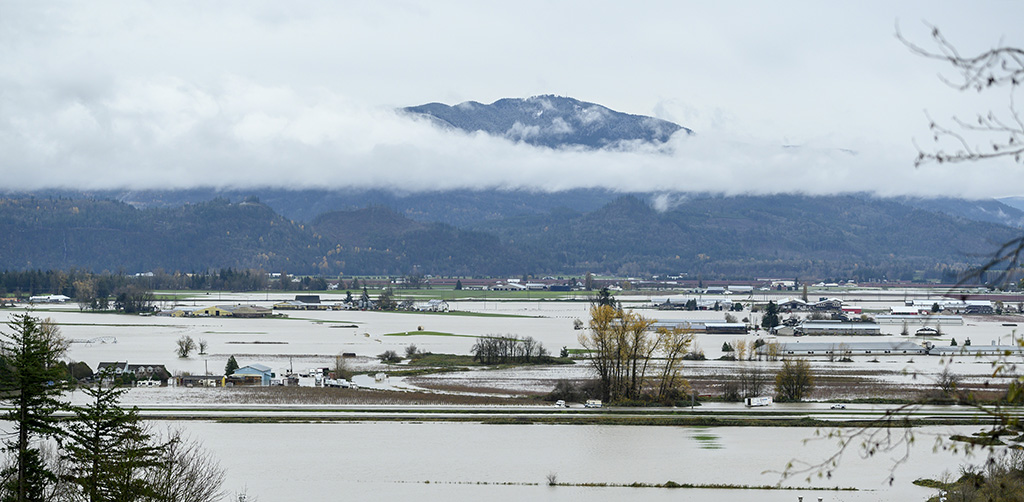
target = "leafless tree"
x: 187, y: 472
x: 185, y: 346
x: 753, y: 381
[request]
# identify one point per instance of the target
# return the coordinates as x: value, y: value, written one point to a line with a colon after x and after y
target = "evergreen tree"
x: 604, y: 298
x: 458, y: 285
x: 364, y: 300
x: 231, y: 366
x: 107, y: 449
x: 386, y: 301
x: 771, y: 316
x: 31, y: 383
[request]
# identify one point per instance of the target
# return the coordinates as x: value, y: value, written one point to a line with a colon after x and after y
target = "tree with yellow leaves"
x: 623, y: 349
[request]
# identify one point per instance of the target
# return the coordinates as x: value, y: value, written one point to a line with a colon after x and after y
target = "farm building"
x: 434, y: 305
x: 200, y: 380
x: 934, y: 320
x: 180, y: 311
x: 838, y: 328
x: 977, y: 350
x: 49, y: 299
x: 828, y: 304
x: 713, y: 327
x: 303, y: 302
x: 725, y: 328
x: 844, y: 349
x: 253, y: 374
x: 233, y: 311
x: 792, y: 305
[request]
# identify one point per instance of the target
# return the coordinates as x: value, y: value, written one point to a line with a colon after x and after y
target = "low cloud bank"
x: 168, y: 133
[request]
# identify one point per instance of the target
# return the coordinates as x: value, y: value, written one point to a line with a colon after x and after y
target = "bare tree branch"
x: 999, y: 67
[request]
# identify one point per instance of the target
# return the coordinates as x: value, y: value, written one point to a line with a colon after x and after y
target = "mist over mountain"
x: 990, y: 210
x: 491, y: 231
x: 550, y: 121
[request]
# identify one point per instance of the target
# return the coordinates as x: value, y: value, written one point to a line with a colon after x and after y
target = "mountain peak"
x: 550, y: 121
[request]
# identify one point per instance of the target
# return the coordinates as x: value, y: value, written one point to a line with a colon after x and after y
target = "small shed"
x: 200, y: 380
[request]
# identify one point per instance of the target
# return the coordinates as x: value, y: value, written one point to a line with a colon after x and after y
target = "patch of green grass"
x: 443, y: 360
x: 704, y: 486
x: 428, y: 333
x: 317, y: 321
x: 116, y: 325
x: 977, y: 440
x: 235, y: 332
x: 460, y: 313
x: 580, y: 352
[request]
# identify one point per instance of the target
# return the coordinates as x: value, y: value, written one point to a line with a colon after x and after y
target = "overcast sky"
x: 302, y: 94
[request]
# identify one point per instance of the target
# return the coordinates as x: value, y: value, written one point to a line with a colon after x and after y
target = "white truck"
x: 592, y: 403
x: 337, y: 383
x: 758, y: 401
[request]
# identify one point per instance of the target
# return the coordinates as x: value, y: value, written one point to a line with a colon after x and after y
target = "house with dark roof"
x: 129, y: 373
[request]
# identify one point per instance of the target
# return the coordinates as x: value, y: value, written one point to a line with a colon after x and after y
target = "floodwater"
x: 465, y: 461
x: 310, y: 338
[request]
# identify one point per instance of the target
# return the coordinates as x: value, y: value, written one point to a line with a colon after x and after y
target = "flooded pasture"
x: 465, y: 461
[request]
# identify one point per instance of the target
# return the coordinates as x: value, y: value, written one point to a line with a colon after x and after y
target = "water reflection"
x: 705, y: 437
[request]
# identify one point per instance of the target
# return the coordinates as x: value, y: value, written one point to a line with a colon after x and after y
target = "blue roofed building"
x: 253, y: 374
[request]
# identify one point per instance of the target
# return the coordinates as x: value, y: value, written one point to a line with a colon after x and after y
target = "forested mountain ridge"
x: 742, y: 236
x: 708, y: 236
x: 107, y: 235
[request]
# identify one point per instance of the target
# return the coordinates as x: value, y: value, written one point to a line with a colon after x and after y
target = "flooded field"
x: 447, y: 461
x: 370, y: 460
x: 308, y: 339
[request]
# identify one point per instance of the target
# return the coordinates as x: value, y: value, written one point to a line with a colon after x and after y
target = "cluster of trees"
x: 633, y: 363
x: 740, y: 350
x: 105, y: 451
x: 749, y: 382
x: 185, y: 345
x: 508, y: 349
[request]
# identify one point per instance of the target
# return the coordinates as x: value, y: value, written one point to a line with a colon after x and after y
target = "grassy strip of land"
x: 235, y: 332
x: 430, y: 359
x: 117, y: 325
x: 707, y: 486
x: 428, y: 333
x: 461, y: 313
x: 581, y: 419
x: 318, y: 321
x: 667, y: 484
